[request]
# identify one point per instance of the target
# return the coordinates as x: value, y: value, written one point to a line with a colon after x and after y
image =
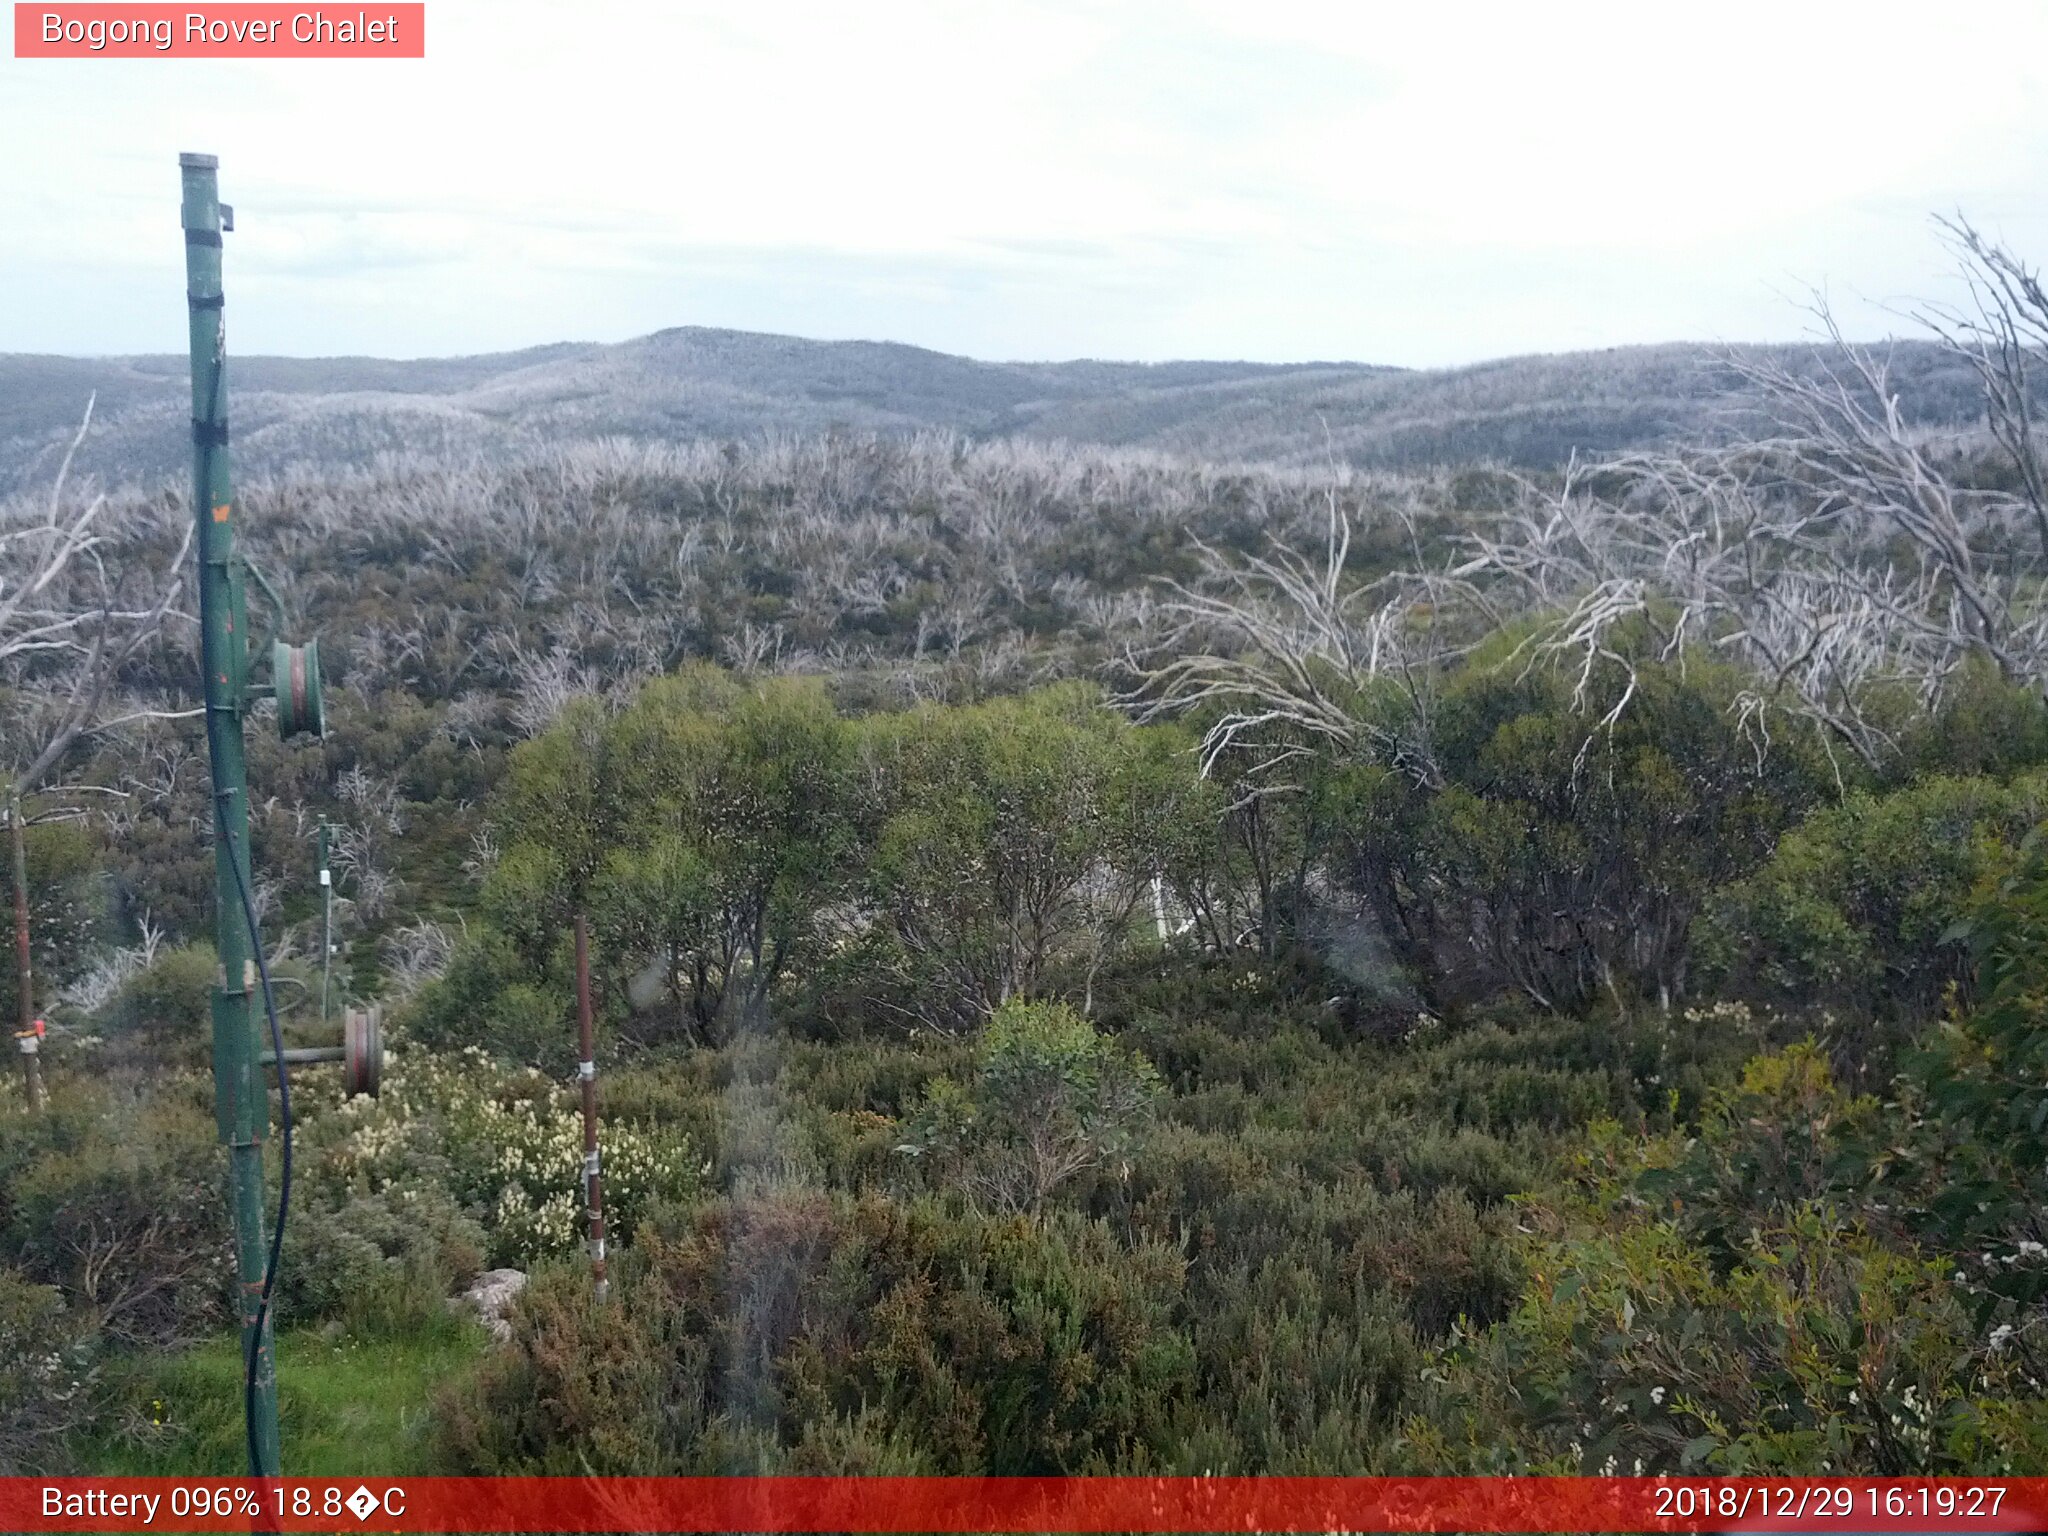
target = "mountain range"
x: 310, y: 415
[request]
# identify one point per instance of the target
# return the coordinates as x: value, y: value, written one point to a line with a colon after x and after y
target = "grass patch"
x: 347, y: 1406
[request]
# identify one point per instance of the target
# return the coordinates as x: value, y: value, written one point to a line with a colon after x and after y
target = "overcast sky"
x: 1422, y: 183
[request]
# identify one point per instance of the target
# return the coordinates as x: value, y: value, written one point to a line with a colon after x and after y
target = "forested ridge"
x: 333, y: 415
x: 1106, y: 958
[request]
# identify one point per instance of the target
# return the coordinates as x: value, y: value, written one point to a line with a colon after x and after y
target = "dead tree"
x: 70, y: 622
x: 1299, y: 656
x: 1843, y: 554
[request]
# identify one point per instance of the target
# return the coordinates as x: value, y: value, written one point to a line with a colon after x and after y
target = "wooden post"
x: 326, y: 922
x: 586, y: 1072
x: 27, y: 1038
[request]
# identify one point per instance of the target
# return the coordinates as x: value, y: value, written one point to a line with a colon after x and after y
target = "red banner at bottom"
x: 1023, y: 1504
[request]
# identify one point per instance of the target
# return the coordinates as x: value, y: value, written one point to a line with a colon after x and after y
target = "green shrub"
x: 1822, y: 1350
x: 1013, y: 840
x: 69, y: 910
x: 1555, y: 851
x: 165, y: 1011
x: 1293, y: 1382
x: 1051, y: 1098
x: 1983, y: 725
x: 73, y: 1116
x: 129, y: 1221
x: 489, y: 1000
x: 748, y: 1335
x: 381, y: 1263
x: 1854, y: 910
x: 1716, y: 1304
x: 704, y: 830
x: 1970, y: 1171
x: 1780, y: 1139
x: 47, y: 1374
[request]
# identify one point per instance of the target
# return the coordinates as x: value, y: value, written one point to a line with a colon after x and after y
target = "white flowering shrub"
x: 508, y: 1145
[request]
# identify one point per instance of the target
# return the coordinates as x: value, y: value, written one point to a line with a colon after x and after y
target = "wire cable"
x: 284, y: 1115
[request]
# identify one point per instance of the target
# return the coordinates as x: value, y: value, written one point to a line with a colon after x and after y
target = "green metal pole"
x: 241, y: 1102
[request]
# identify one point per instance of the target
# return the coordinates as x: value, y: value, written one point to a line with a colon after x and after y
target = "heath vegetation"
x: 1107, y: 958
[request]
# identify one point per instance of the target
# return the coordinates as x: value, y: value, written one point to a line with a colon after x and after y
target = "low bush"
x: 1721, y: 1304
x: 1967, y: 1171
x: 756, y: 1334
x: 1051, y: 1098
x: 1855, y: 909
x: 164, y: 1012
x: 489, y: 1001
x: 381, y: 1263
x: 47, y: 1375
x: 126, y: 1217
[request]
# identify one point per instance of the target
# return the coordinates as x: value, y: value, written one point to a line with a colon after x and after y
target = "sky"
x: 1423, y: 184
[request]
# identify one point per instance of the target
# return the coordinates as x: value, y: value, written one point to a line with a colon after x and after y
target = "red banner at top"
x: 1843, y: 1505
x: 236, y: 31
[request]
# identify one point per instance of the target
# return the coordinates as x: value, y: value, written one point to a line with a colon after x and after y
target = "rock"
x: 490, y: 1297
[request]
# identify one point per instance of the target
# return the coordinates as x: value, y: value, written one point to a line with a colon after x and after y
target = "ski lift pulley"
x: 295, y: 678
x: 362, y: 1050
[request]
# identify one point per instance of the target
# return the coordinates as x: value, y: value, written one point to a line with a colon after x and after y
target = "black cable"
x: 284, y: 1116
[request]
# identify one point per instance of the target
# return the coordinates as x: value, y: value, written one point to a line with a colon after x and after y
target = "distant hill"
x: 316, y: 413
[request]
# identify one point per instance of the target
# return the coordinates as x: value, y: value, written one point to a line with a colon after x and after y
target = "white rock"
x: 490, y: 1298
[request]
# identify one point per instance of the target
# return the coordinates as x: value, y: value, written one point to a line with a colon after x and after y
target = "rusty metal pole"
x: 27, y: 1038
x: 586, y: 1072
